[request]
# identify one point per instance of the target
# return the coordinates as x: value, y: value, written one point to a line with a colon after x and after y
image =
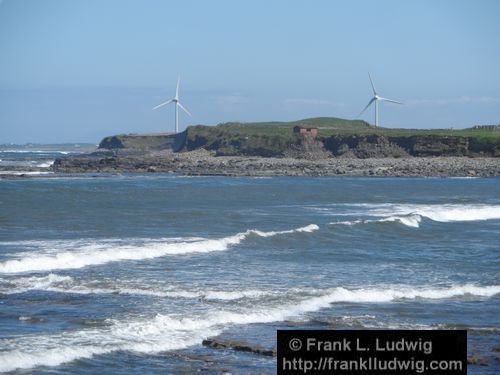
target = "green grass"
x: 272, y: 138
x: 328, y: 126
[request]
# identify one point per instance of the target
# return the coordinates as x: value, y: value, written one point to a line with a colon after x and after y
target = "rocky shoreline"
x: 204, y: 163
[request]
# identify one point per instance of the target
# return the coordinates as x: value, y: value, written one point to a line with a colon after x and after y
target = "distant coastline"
x: 316, y: 138
x: 311, y: 147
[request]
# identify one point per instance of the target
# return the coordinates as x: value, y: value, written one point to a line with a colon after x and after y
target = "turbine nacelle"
x: 177, y: 104
x: 376, y: 98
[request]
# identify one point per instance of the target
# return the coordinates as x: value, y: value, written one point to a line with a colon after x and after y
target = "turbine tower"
x: 376, y: 98
x: 175, y: 100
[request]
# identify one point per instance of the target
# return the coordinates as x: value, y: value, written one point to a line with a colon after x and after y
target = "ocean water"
x: 128, y: 274
x: 32, y: 161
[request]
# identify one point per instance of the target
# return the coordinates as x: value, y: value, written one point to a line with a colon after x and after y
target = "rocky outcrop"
x: 239, y: 346
x: 350, y: 139
x: 166, y: 141
x: 226, y: 143
x: 203, y: 162
x: 369, y: 146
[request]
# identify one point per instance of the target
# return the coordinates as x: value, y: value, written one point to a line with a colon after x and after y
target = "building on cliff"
x: 306, y: 130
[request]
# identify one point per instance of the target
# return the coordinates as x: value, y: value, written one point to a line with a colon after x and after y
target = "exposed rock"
x: 477, y: 360
x: 364, y: 147
x: 306, y: 147
x: 162, y: 141
x: 203, y: 162
x: 31, y: 319
x: 239, y: 346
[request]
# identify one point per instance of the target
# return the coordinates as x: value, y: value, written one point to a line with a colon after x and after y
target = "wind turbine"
x: 175, y: 100
x: 376, y: 98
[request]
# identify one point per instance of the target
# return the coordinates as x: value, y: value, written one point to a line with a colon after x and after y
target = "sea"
x: 120, y: 274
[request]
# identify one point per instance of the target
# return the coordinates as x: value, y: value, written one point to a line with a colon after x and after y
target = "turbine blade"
x: 390, y: 100
x: 162, y: 104
x: 177, y: 88
x: 364, y: 109
x: 184, y: 109
x: 373, y: 86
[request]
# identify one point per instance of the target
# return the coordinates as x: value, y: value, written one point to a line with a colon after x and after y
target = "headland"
x: 310, y: 147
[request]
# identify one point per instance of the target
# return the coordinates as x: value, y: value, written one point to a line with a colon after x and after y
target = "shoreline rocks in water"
x: 204, y: 163
x: 239, y: 346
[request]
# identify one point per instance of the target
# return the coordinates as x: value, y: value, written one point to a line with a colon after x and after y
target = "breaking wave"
x: 38, y: 152
x: 101, y: 253
x: 66, y: 284
x: 168, y: 332
x: 411, y: 215
x: 45, y: 164
x: 409, y: 220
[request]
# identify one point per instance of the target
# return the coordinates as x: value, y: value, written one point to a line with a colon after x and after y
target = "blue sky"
x: 78, y: 70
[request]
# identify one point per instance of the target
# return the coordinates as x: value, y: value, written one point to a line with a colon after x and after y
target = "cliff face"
x: 144, y: 142
x: 381, y: 146
x: 248, y: 141
x: 359, y: 146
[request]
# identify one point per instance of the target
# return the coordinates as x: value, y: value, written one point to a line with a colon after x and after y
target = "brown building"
x: 305, y: 130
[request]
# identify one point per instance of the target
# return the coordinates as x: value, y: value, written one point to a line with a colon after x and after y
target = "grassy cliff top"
x: 328, y: 126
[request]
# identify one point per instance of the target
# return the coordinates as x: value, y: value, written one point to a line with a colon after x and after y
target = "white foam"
x: 101, y: 253
x: 379, y: 295
x: 441, y: 212
x: 66, y: 284
x: 168, y: 332
x: 40, y: 151
x: 24, y: 284
x: 308, y: 228
x: 165, y: 332
x: 451, y: 213
x: 220, y: 294
x: 411, y: 215
x: 412, y: 221
x: 19, y: 173
x: 45, y: 164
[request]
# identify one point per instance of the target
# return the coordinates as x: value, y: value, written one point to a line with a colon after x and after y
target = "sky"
x: 80, y: 70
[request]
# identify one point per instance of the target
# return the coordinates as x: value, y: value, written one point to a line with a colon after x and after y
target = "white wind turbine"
x: 376, y: 98
x: 175, y: 100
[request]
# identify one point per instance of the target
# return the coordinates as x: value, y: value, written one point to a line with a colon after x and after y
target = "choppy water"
x: 130, y: 274
x: 26, y: 161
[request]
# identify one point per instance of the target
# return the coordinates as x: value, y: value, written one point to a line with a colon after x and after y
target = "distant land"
x: 335, y: 137
x: 329, y: 147
x: 81, y: 147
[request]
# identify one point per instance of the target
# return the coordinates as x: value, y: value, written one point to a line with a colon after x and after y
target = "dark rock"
x: 477, y: 360
x: 31, y: 319
x: 203, y: 162
x: 238, y: 346
x: 162, y: 141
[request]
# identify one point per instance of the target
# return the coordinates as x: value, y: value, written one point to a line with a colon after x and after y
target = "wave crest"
x: 411, y: 215
x: 101, y: 253
x: 166, y: 332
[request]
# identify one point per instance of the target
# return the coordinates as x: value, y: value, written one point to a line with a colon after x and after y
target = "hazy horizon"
x: 77, y: 71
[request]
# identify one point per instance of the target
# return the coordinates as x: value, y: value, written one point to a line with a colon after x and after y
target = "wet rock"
x: 239, y: 346
x: 202, y: 162
x: 477, y: 360
x: 31, y: 319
